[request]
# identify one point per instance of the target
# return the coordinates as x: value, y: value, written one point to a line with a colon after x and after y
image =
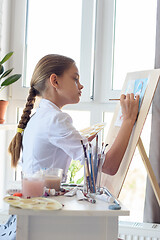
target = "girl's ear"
x: 53, y: 80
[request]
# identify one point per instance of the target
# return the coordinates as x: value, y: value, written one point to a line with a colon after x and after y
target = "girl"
x: 49, y: 138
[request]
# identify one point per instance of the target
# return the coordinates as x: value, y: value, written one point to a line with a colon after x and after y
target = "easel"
x: 149, y: 170
x: 115, y: 183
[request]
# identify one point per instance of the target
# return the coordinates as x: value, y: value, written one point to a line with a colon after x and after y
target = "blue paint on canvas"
x: 137, y: 86
x: 140, y: 86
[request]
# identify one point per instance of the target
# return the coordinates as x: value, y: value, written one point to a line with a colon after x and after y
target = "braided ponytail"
x: 16, y: 143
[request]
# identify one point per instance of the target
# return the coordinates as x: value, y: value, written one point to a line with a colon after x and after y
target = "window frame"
x: 104, y: 44
x: 95, y: 35
x: 18, y: 31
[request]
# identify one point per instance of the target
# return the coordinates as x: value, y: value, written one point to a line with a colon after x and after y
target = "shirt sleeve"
x: 63, y: 134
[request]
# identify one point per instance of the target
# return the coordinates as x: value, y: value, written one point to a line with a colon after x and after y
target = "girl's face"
x: 69, y: 88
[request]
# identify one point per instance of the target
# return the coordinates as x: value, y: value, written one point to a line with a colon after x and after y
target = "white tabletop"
x: 73, y: 207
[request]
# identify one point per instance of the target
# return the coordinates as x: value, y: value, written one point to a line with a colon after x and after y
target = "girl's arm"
x: 115, y: 154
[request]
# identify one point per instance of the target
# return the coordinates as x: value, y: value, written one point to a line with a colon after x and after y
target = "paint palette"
x: 90, y: 131
x: 38, y: 203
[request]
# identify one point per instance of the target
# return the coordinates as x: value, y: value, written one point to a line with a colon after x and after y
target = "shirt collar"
x: 47, y: 103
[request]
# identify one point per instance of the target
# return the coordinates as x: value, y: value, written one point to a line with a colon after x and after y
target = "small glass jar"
x: 32, y: 185
x: 53, y: 178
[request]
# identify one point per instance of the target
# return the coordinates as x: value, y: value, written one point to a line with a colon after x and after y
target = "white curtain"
x: 152, y: 209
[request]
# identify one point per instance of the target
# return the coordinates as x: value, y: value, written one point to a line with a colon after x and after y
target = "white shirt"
x: 50, y: 140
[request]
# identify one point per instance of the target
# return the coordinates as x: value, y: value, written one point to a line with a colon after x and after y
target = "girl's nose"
x: 81, y: 86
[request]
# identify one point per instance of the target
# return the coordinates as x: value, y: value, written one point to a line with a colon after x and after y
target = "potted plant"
x: 4, y: 82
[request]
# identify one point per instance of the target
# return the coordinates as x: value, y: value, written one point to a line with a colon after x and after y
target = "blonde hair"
x: 49, y: 64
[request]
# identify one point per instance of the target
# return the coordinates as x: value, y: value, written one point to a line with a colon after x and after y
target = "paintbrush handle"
x: 114, y: 99
x: 92, y: 177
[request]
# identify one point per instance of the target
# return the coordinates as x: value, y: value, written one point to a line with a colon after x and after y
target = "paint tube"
x: 105, y: 198
x: 80, y: 195
x: 49, y: 191
x: 91, y: 197
x: 71, y: 193
x: 91, y: 200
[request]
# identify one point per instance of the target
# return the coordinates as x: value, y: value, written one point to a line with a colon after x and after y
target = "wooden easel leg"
x: 149, y: 169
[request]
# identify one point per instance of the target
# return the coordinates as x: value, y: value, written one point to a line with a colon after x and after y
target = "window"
x: 61, y: 30
x: 52, y: 31
x: 107, y: 39
x: 134, y: 44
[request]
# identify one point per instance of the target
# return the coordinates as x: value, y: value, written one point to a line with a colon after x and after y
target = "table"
x: 77, y: 220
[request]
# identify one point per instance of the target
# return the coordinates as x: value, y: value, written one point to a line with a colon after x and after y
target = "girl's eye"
x: 76, y: 81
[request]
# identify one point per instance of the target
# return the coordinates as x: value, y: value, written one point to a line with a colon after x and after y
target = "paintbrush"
x: 86, y: 166
x: 91, y: 168
x: 114, y: 99
x: 96, y: 160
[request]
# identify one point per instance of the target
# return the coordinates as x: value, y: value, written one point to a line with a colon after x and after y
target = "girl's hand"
x: 129, y: 106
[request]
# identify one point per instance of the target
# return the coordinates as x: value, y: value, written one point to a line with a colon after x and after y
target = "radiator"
x: 139, y: 231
